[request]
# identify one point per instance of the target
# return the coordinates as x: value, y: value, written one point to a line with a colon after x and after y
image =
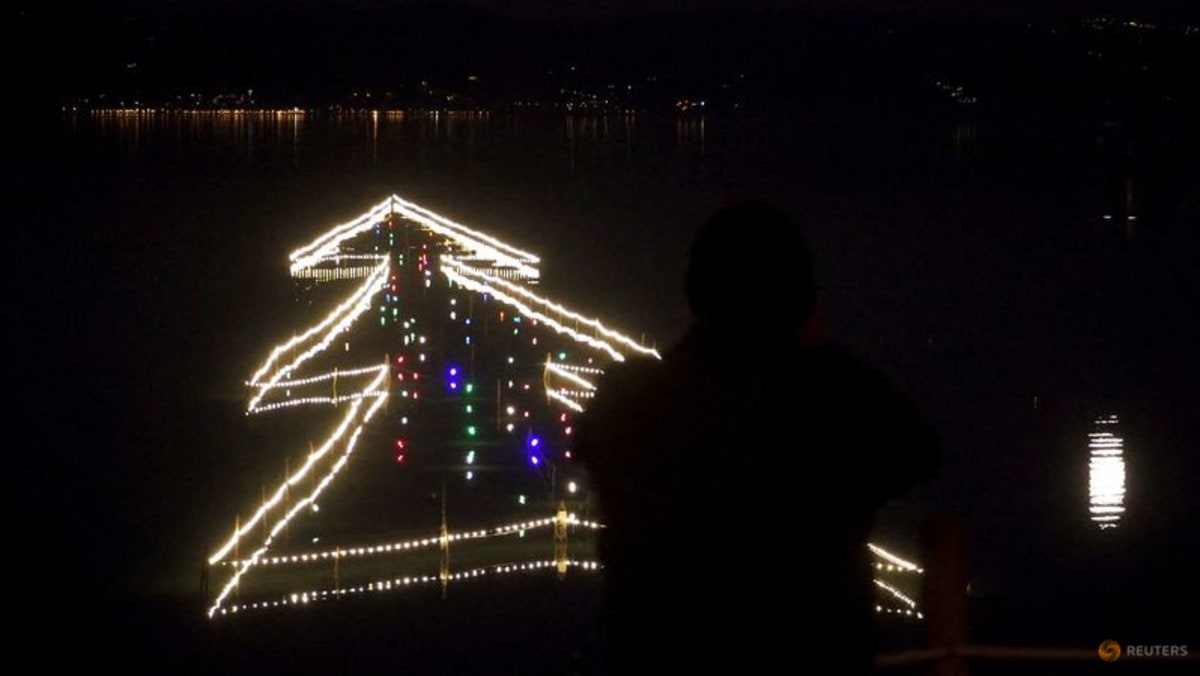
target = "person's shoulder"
x: 623, y: 393
x: 837, y: 369
x: 835, y: 357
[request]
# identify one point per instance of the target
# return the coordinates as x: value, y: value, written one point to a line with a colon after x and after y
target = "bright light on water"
x: 1106, y: 473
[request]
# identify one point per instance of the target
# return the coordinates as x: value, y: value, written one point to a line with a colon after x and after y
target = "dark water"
x: 985, y: 263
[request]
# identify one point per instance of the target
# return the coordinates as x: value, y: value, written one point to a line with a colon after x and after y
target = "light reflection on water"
x: 271, y: 136
x: 1106, y: 470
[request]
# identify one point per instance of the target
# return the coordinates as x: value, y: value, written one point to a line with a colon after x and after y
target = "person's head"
x: 750, y: 270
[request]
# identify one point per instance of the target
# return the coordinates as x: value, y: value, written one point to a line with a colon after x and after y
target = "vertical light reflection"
x: 1106, y: 473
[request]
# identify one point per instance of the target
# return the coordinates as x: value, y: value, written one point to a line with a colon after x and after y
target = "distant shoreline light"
x: 158, y: 110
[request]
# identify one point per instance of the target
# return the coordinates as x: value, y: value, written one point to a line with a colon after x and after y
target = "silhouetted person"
x: 739, y: 476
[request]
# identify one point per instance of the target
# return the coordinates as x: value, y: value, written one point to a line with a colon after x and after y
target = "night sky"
x: 594, y: 8
x: 95, y: 299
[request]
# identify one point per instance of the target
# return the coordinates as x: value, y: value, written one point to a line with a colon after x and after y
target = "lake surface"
x: 1021, y: 278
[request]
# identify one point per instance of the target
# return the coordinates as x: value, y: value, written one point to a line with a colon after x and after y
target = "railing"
x: 944, y: 602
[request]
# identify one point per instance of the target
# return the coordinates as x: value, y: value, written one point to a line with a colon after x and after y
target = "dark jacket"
x: 739, y: 478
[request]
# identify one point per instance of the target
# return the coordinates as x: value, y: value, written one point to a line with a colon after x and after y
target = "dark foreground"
x: 527, y: 626
x: 532, y: 625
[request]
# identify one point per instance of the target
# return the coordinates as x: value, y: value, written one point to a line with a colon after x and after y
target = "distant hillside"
x: 382, y: 55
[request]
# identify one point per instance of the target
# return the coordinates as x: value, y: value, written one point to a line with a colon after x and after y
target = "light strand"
x: 526, y: 294
x: 283, y: 521
x: 568, y: 375
x: 333, y: 323
x: 398, y: 583
x: 415, y: 544
x: 894, y: 559
x: 299, y: 474
x: 896, y: 593
x: 523, y: 308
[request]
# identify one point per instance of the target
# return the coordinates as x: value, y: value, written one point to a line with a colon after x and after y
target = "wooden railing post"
x: 944, y: 594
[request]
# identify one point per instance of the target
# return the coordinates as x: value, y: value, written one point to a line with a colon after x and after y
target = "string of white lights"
x: 578, y: 369
x: 306, y: 501
x: 549, y: 305
x: 314, y: 401
x: 299, y: 475
x: 895, y: 593
x: 453, y: 225
x: 899, y: 562
x: 397, y: 583
x: 343, y: 256
x: 326, y: 245
x: 482, y: 245
x: 324, y: 249
x: 909, y: 612
x: 336, y: 373
x: 565, y: 401
x: 484, y: 287
x: 300, y: 598
x: 577, y: 394
x: 340, y: 273
x: 568, y: 375
x: 363, y: 551
x: 334, y: 323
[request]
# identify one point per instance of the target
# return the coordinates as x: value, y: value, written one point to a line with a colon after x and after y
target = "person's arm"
x: 897, y: 440
x: 911, y: 448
